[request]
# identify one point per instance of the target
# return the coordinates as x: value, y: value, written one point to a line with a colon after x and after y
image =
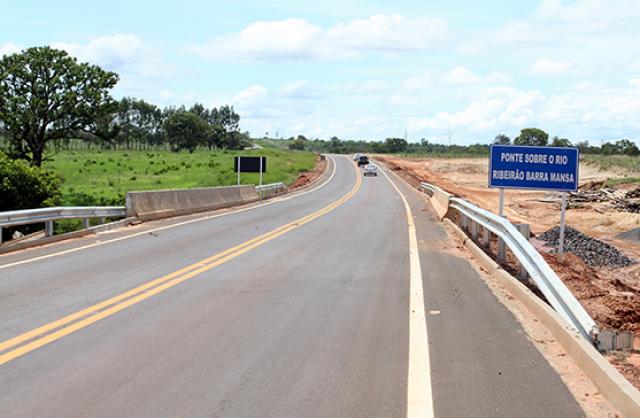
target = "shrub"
x: 26, y: 187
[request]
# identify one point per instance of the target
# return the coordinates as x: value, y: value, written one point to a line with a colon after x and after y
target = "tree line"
x: 527, y: 136
x: 48, y: 99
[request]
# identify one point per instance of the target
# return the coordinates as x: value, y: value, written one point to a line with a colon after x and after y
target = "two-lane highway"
x: 299, y: 306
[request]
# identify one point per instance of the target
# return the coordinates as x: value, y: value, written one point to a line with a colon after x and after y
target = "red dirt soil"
x: 308, y: 177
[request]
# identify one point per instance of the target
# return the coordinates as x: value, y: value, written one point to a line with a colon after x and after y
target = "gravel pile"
x: 594, y: 252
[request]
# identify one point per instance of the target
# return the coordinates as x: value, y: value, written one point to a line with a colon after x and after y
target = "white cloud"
x: 588, y: 10
x: 635, y: 82
x: 548, y: 67
x: 367, y: 87
x: 461, y: 75
x: 418, y: 83
x: 139, y: 65
x: 110, y: 52
x: 402, y: 100
x: 577, y: 116
x: 166, y: 95
x: 301, y: 89
x: 258, y: 102
x: 583, y: 24
x: 390, y: 34
x: 298, y: 40
x: 513, y: 33
x: 250, y: 96
x: 497, y: 108
x: 10, y: 48
x: 587, y: 85
x: 291, y: 39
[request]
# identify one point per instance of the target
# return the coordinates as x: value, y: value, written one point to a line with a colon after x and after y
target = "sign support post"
x: 561, y: 240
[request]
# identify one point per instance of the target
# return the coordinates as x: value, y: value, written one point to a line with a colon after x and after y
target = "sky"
x: 450, y: 72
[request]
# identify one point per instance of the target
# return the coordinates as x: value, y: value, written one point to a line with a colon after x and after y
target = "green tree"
x: 532, y: 136
x: 502, y: 139
x: 395, y: 145
x: 185, y: 130
x: 335, y: 146
x: 297, y: 144
x: 582, y: 146
x: 46, y: 96
x: 379, y: 148
x: 560, y: 142
x: 627, y: 147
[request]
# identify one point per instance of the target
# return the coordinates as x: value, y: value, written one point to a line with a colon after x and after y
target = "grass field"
x: 109, y: 174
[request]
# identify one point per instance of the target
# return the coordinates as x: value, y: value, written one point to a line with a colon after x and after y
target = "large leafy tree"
x: 185, y: 130
x: 502, y: 139
x: 46, y: 96
x: 560, y: 142
x: 532, y: 136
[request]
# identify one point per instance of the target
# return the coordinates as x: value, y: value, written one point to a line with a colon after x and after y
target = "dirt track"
x: 610, y: 295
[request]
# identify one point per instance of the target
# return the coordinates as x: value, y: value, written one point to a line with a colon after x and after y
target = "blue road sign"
x: 540, y: 168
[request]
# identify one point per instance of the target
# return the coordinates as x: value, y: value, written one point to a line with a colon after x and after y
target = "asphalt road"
x: 296, y: 307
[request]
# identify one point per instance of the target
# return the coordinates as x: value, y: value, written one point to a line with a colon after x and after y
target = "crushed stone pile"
x: 594, y: 252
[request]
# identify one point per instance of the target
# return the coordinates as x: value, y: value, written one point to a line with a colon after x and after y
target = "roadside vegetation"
x: 95, y: 176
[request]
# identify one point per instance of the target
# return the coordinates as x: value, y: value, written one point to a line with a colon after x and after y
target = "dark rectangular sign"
x: 540, y: 168
x: 250, y: 164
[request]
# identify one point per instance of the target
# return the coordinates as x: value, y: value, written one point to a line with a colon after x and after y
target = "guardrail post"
x: 48, y: 227
x: 0, y: 235
x: 486, y: 236
x: 85, y: 223
x: 464, y: 221
x: 525, y: 230
x: 474, y: 228
x: 101, y: 221
x: 502, y: 248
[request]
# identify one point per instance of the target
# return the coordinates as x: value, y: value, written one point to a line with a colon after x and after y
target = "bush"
x: 26, y: 187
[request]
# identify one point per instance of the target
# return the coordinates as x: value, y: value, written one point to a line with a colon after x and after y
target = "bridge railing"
x: 560, y: 298
x: 49, y: 215
x: 269, y: 190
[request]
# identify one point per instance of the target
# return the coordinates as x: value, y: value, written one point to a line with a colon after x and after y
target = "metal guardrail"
x: 271, y: 189
x: 560, y: 298
x: 48, y: 215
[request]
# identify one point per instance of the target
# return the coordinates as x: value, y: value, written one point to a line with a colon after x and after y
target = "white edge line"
x: 419, y: 391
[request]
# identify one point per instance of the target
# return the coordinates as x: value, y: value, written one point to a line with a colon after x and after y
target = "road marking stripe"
x: 120, y: 302
x: 419, y: 391
x: 97, y: 244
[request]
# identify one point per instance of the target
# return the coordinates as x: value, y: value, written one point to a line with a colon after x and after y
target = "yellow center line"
x: 109, y: 307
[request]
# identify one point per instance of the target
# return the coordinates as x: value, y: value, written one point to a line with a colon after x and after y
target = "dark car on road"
x: 363, y: 160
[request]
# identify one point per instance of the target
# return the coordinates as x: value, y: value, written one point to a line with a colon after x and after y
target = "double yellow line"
x: 46, y: 334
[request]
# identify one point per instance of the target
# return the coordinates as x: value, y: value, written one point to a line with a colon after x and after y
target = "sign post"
x: 537, y: 168
x: 250, y: 165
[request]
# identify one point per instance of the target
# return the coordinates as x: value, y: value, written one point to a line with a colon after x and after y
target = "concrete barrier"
x: 440, y: 202
x: 166, y: 203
